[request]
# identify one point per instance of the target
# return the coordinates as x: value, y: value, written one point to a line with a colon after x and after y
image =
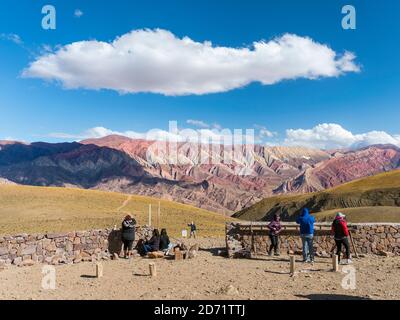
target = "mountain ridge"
x: 118, y: 163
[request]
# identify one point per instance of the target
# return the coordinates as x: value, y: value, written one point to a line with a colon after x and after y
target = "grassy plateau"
x: 28, y: 209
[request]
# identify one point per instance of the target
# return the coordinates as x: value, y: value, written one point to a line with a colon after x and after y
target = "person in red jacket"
x: 341, y: 234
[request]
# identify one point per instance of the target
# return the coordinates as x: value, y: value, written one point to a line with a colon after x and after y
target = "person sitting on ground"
x: 341, y: 235
x: 274, y: 230
x: 153, y: 244
x: 193, y: 230
x: 306, y: 222
x: 165, y: 244
x: 128, y: 235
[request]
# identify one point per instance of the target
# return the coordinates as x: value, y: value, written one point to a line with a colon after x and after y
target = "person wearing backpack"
x: 341, y: 234
x: 306, y: 222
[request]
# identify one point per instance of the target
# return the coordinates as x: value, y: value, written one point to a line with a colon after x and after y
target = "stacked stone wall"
x: 69, y: 247
x: 369, y: 238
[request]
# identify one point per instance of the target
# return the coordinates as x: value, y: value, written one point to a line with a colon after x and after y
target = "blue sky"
x: 353, y: 107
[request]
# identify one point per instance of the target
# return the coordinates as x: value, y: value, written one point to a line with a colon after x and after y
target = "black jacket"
x: 128, y: 230
x: 154, y: 243
x: 164, y: 242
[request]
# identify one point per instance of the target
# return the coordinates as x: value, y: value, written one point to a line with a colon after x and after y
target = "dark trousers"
x: 274, y: 243
x: 346, y: 244
x: 127, y: 244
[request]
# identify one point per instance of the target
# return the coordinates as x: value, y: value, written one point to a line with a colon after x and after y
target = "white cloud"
x: 204, y: 125
x: 157, y: 61
x: 264, y: 132
x: 78, y: 13
x: 174, y: 134
x: 322, y: 136
x: 331, y: 136
x: 12, y: 37
x: 198, y: 123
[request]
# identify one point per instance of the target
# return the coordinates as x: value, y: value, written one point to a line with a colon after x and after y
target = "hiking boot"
x: 277, y: 254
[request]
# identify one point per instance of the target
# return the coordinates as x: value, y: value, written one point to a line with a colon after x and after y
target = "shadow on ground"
x: 325, y: 296
x: 218, y: 251
x: 88, y: 276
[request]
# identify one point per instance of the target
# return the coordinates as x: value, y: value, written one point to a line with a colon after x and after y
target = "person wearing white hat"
x: 341, y: 235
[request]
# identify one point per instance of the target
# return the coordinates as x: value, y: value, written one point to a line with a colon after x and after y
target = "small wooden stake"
x: 335, y: 263
x: 159, y: 214
x: 149, y: 215
x: 178, y: 254
x: 292, y: 265
x: 153, y: 270
x: 99, y: 270
x: 354, y: 246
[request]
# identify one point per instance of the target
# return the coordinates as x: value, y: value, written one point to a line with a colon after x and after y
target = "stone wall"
x: 70, y: 247
x: 369, y: 238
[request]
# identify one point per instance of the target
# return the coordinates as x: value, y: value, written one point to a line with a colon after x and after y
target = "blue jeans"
x: 147, y: 248
x: 308, y: 250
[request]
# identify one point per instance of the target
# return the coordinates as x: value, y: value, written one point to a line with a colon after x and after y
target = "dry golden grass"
x: 387, y: 180
x: 380, y: 184
x: 46, y: 209
x: 363, y: 214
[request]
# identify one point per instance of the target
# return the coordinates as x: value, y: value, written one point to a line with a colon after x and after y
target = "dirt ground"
x: 208, y: 276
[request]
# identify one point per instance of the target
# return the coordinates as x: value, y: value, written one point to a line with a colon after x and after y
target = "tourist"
x: 341, y: 235
x: 274, y: 230
x: 153, y: 244
x: 165, y: 244
x: 193, y: 230
x: 128, y: 235
x: 306, y: 222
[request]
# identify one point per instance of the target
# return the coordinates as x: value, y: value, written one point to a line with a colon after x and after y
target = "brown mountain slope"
x: 219, y: 186
x: 379, y: 190
x: 343, y: 168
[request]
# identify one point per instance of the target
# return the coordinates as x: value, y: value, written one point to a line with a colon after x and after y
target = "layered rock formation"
x: 207, y: 176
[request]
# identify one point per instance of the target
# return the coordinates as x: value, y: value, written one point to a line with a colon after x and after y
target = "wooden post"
x: 354, y: 247
x: 153, y: 270
x: 178, y: 254
x: 335, y: 263
x: 99, y: 270
x: 292, y: 265
x: 159, y: 215
x: 253, y: 245
x: 149, y: 215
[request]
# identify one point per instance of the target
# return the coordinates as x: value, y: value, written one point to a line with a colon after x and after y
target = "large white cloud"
x: 159, y: 62
x: 322, y: 136
x: 331, y: 136
x: 173, y: 134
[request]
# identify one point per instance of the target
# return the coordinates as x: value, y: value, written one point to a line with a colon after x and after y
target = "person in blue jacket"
x: 306, y: 222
